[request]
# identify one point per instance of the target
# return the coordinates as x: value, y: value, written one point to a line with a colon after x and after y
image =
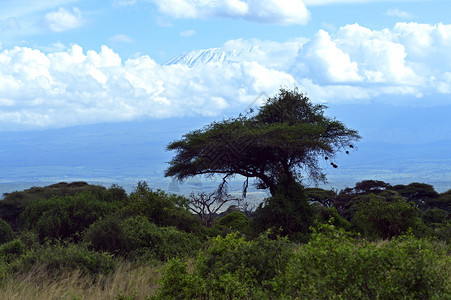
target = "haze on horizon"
x: 88, y: 86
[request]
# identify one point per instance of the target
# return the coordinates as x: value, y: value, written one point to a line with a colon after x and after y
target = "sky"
x: 382, y: 66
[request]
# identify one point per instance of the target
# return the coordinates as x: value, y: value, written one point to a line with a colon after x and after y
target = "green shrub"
x: 64, y: 217
x: 288, y: 209
x: 64, y: 256
x: 379, y: 218
x: 442, y: 231
x: 162, y: 209
x: 230, y: 267
x: 177, y: 243
x: 6, y: 232
x: 326, y: 214
x: 136, y: 237
x: 434, y: 215
x: 11, y: 250
x: 335, y: 265
x: 13, y: 204
x: 107, y: 234
x: 231, y: 222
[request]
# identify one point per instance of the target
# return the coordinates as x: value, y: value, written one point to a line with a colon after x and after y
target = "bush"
x: 11, y: 250
x: 64, y: 256
x: 6, y: 232
x: 434, y: 215
x: 231, y: 222
x: 288, y: 210
x: 64, y: 217
x: 335, y: 265
x: 107, y: 234
x: 326, y: 215
x: 136, y: 237
x: 13, y: 204
x: 378, y: 218
x: 162, y: 209
x: 230, y: 267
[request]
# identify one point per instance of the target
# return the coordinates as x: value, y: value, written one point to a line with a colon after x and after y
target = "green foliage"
x: 232, y: 222
x: 58, y: 257
x: 419, y: 193
x: 6, y: 232
x: 137, y: 237
x: 286, y: 136
x: 287, y: 210
x: 378, y: 218
x: 11, y: 250
x: 230, y: 267
x: 371, y: 187
x: 14, y: 203
x: 333, y: 265
x: 330, y: 215
x: 324, y: 197
x: 107, y: 234
x: 442, y: 231
x: 434, y: 215
x: 64, y: 217
x: 161, y: 208
x: 442, y: 202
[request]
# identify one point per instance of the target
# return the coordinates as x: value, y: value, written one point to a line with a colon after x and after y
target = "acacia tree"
x: 206, y: 205
x: 280, y: 143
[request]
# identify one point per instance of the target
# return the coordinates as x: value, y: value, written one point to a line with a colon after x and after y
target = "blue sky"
x: 75, y: 62
x: 69, y: 63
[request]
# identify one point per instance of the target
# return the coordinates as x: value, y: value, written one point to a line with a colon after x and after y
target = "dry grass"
x: 130, y: 281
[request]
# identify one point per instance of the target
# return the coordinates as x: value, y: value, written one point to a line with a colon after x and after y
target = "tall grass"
x: 128, y: 281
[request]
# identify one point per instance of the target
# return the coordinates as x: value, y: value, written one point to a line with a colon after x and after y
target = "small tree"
x: 206, y: 205
x: 379, y: 218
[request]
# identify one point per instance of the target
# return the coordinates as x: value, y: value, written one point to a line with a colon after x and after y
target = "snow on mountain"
x: 278, y: 56
x: 213, y: 55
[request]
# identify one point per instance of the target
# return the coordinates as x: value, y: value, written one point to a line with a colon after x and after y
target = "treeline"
x: 370, y: 241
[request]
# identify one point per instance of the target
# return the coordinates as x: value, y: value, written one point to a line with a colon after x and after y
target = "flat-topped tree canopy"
x: 281, y: 142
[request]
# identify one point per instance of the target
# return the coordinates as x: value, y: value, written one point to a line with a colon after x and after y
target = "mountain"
x: 213, y: 55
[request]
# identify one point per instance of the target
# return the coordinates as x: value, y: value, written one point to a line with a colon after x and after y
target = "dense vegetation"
x: 371, y: 241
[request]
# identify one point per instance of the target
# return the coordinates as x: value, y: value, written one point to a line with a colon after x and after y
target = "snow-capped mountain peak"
x: 213, y: 55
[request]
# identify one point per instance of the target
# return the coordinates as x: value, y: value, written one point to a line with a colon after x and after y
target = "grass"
x: 128, y: 281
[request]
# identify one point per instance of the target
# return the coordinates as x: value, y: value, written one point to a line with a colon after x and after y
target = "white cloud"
x: 62, y: 19
x: 398, y: 13
x: 72, y: 86
x: 188, y: 33
x: 328, y: 61
x: 76, y: 87
x: 264, y: 11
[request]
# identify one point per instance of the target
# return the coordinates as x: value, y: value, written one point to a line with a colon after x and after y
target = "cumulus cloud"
x: 62, y: 19
x: 74, y: 86
x: 77, y: 87
x: 264, y: 11
x: 330, y: 62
